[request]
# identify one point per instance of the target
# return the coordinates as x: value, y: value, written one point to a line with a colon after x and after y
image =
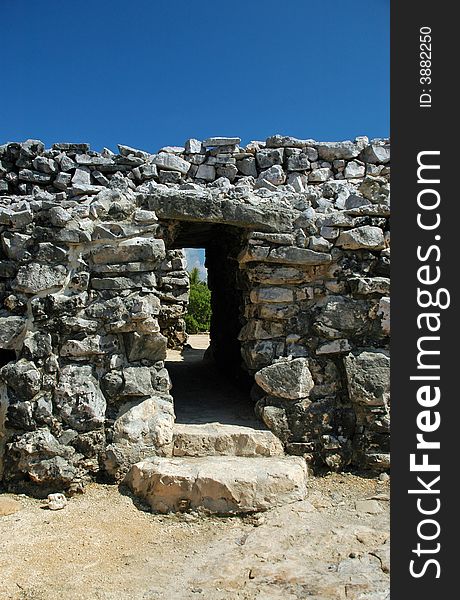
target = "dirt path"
x: 101, y: 546
x: 105, y: 546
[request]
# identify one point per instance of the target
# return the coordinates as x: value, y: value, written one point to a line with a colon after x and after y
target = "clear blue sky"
x: 149, y: 73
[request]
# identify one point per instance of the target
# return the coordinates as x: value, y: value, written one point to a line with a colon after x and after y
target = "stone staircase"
x: 220, y: 468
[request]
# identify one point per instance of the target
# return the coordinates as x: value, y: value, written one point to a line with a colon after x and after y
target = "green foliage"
x: 198, y: 317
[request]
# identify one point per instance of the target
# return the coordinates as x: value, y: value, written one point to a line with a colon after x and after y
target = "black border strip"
x: 430, y: 126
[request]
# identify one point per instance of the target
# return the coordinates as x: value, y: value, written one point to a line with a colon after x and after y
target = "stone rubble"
x: 94, y: 286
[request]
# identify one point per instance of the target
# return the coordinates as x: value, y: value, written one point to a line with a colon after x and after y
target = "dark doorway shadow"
x: 204, y: 394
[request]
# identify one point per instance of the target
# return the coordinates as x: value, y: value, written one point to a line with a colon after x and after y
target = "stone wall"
x: 93, y: 287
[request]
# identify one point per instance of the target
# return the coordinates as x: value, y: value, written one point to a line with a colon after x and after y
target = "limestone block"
x: 78, y: 398
x: 298, y: 256
x: 272, y: 294
x: 138, y: 381
x: 151, y: 347
x: 376, y: 153
x: 368, y: 376
x: 384, y: 313
x: 366, y: 237
x: 222, y: 485
x: 221, y: 141
x: 331, y: 151
x: 290, y: 379
x: 193, y: 146
x: 131, y: 250
x: 206, y: 172
x: 247, y: 166
x: 217, y: 439
x: 35, y: 277
x: 266, y: 157
x: 142, y: 429
x: 286, y: 141
x: 320, y: 175
x: 274, y: 175
x: 23, y: 377
x: 171, y: 162
x: 43, y: 460
x: 11, y: 329
x: 354, y: 169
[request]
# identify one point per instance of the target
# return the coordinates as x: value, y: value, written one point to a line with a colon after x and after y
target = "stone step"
x: 218, y: 439
x: 219, y: 484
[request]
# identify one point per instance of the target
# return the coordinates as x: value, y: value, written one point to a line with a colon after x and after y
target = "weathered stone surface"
x: 134, y: 249
x: 78, y: 398
x: 222, y: 485
x: 298, y: 251
x: 45, y: 462
x: 221, y: 141
x: 376, y: 154
x: 320, y: 175
x: 290, y: 379
x: 354, y: 169
x: 151, y: 347
x: 338, y: 150
x: 11, y: 328
x: 366, y: 237
x: 286, y: 141
x: 206, y: 172
x: 368, y: 375
x: 217, y: 439
x: 171, y: 162
x: 142, y: 429
x: 23, y: 377
x: 35, y: 277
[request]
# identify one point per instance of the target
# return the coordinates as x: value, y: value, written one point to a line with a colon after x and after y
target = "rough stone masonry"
x: 94, y: 288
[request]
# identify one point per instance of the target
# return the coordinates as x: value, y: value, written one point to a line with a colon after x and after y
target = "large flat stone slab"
x: 222, y: 485
x: 217, y: 439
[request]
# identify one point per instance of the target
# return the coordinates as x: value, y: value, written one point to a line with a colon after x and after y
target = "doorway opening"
x: 210, y: 383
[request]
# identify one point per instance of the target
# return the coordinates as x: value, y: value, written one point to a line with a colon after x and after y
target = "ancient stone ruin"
x: 94, y: 288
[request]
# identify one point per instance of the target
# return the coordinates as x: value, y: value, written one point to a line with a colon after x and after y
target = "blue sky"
x: 152, y: 72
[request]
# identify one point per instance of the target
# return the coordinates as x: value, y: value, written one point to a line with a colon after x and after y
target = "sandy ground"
x: 104, y: 545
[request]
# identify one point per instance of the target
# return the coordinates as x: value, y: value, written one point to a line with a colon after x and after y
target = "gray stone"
x: 35, y: 277
x: 34, y: 176
x: 368, y: 376
x: 78, y: 399
x: 206, y: 172
x: 221, y: 141
x: 290, y: 379
x: 222, y: 485
x: 11, y: 330
x: 194, y: 146
x: 62, y: 181
x: 171, y: 162
x: 217, y: 439
x: 354, y: 169
x: 247, y: 166
x: 23, y: 377
x: 366, y: 237
x: 331, y: 151
x: 286, y: 141
x: 128, y: 151
x: 151, y: 347
x: 131, y: 250
x: 44, y: 165
x: 274, y: 175
x: 376, y: 153
x: 320, y: 175
x: 266, y: 158
x: 142, y: 429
